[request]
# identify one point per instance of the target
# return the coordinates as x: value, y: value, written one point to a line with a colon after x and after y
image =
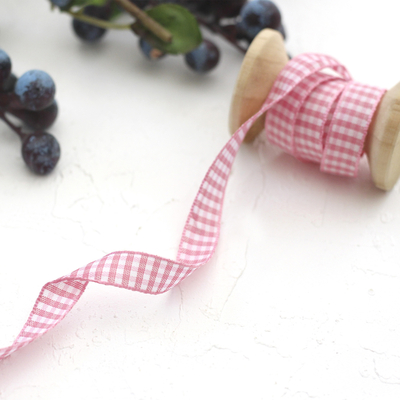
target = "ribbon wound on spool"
x: 340, y: 109
x: 320, y: 117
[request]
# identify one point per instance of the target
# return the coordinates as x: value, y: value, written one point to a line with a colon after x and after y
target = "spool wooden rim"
x: 263, y: 62
x: 383, y: 141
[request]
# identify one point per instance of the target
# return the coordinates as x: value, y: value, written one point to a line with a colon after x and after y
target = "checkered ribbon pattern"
x: 325, y: 117
x: 306, y: 108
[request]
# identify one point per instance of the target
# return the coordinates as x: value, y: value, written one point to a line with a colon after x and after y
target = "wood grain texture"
x: 383, y: 141
x: 264, y: 60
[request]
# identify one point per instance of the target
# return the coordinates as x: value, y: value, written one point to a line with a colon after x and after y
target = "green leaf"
x: 116, y: 11
x: 186, y: 34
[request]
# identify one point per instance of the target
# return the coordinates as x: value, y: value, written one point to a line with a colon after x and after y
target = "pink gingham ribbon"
x: 312, y: 115
x: 325, y: 118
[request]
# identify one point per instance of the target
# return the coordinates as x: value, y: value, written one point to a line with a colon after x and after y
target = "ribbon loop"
x: 319, y: 117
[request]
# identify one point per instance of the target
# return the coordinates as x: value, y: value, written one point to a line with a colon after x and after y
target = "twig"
x: 215, y: 28
x: 15, y: 128
x: 146, y: 21
x: 96, y: 21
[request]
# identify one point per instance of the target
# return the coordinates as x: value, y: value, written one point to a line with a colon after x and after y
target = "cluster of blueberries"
x: 30, y: 98
x: 239, y: 21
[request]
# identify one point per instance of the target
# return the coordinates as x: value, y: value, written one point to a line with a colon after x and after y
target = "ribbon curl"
x: 312, y: 115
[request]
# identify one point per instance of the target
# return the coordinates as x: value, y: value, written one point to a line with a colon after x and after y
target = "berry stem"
x: 9, y: 101
x: 96, y: 21
x: 5, y: 100
x: 15, y: 128
x: 146, y: 21
x: 215, y: 28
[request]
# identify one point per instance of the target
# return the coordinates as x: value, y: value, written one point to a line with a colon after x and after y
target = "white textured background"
x: 301, y: 299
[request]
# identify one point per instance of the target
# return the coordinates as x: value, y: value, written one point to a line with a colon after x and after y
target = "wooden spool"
x: 264, y: 60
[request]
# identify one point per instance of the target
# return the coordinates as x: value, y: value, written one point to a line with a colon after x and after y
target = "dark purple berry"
x: 149, y: 51
x: 62, y: 3
x: 41, y: 152
x: 281, y: 29
x: 88, y: 32
x: 38, y: 120
x: 140, y: 3
x: 257, y: 15
x: 203, y: 58
x: 35, y: 90
x: 198, y: 6
x: 5, y: 66
x: 9, y: 83
x: 203, y: 7
x: 226, y: 9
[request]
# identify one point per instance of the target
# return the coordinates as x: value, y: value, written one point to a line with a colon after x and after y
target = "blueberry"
x: 203, y: 58
x: 88, y: 32
x: 41, y: 152
x: 281, y: 29
x: 140, y: 3
x: 199, y: 6
x: 61, y: 3
x: 258, y: 15
x: 5, y: 66
x: 9, y: 83
x: 226, y: 9
x: 35, y: 90
x: 150, y: 52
